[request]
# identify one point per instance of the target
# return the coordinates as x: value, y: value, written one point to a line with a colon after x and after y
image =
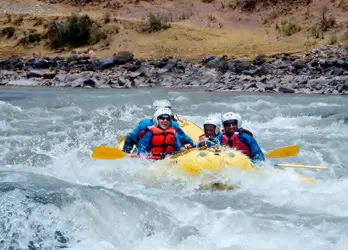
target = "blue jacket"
x: 133, y: 137
x: 255, y: 150
x: 143, y: 146
x: 216, y: 141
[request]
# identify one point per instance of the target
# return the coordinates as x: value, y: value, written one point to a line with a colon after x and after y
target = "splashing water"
x: 53, y: 195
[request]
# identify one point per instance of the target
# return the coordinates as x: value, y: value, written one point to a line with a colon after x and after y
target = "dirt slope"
x: 198, y: 27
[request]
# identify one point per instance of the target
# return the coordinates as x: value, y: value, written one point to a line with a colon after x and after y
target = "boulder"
x: 123, y: 57
x: 105, y: 62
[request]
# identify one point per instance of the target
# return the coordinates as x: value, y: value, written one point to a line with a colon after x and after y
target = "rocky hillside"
x: 160, y: 28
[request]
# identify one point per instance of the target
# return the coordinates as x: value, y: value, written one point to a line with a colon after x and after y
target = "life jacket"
x: 235, y: 142
x: 142, y: 133
x: 163, y: 141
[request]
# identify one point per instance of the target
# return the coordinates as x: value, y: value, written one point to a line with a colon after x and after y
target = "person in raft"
x: 161, y: 139
x: 239, y: 138
x: 134, y: 136
x: 212, y: 135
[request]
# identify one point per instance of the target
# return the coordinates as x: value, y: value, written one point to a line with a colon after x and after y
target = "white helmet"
x: 159, y: 112
x: 232, y: 116
x: 163, y: 103
x: 213, y: 121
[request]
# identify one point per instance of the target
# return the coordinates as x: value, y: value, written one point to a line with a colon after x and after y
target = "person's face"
x: 230, y: 126
x: 209, y: 130
x: 164, y: 121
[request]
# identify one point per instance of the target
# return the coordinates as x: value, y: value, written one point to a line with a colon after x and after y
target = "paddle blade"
x: 283, y: 152
x: 107, y: 153
x: 299, y: 166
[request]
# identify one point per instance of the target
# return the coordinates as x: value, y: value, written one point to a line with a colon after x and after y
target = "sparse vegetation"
x: 156, y: 23
x: 340, y: 2
x: 75, y: 32
x: 325, y: 23
x: 8, y: 32
x: 333, y: 40
x: 30, y: 37
x: 211, y: 18
x: 286, y: 28
x: 107, y: 17
x: 345, y: 36
x: 8, y: 19
x: 18, y: 21
x: 248, y: 27
x: 38, y: 21
x: 175, y: 17
x: 309, y: 44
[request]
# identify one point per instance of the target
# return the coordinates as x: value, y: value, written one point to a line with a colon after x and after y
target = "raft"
x: 194, y: 161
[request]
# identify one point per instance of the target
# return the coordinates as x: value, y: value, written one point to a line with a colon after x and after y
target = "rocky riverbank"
x: 321, y: 71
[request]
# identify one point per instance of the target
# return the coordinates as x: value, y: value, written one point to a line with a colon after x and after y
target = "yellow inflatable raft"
x: 194, y: 161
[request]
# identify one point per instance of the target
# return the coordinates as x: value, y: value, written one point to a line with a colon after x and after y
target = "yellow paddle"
x: 107, y: 153
x: 299, y: 166
x: 283, y: 152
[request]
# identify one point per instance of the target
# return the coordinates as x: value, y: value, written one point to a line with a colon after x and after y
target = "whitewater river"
x: 53, y: 195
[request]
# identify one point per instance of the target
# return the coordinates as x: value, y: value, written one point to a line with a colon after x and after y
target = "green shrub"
x: 30, y: 37
x: 75, y: 32
x: 156, y: 23
x: 324, y: 24
x: 286, y: 28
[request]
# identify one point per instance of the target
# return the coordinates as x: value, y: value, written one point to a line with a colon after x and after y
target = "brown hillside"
x: 197, y: 27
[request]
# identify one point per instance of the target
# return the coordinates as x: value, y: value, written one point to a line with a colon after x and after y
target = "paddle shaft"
x: 299, y: 166
x: 147, y: 157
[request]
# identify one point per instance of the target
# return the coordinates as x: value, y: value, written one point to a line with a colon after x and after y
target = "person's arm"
x: 143, y: 145
x: 142, y: 125
x: 255, y: 150
x: 133, y: 137
x: 202, y: 141
x: 128, y: 144
x: 184, y: 138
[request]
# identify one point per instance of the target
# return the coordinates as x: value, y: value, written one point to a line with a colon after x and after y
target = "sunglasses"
x: 164, y: 118
x: 229, y: 123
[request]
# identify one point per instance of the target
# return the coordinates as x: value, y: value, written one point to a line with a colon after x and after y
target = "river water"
x: 53, y: 195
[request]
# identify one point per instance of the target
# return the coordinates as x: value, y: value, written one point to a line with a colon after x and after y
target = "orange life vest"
x: 163, y: 141
x: 142, y: 133
x: 234, y: 142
